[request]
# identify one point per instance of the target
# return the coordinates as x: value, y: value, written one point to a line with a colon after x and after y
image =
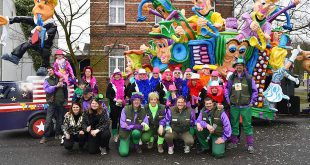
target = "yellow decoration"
x: 277, y: 57
x: 199, y: 67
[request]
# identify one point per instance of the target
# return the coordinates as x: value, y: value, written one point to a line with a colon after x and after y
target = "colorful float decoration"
x: 206, y: 39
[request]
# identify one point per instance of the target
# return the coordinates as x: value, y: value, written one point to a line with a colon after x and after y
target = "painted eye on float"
x: 232, y: 48
x: 164, y: 45
x: 159, y: 45
x: 242, y: 49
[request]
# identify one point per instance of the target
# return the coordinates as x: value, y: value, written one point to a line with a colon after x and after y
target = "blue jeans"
x: 54, y: 111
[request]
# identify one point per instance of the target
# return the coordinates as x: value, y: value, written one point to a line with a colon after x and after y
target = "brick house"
x: 114, y: 30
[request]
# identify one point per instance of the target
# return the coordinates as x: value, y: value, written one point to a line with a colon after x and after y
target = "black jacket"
x: 51, y: 28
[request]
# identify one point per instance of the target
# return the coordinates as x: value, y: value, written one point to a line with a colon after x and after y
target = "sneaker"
x: 62, y: 140
x: 103, y: 151
x: 43, y: 140
x: 251, y: 149
x: 187, y: 149
x: 115, y: 138
x: 150, y: 145
x: 160, y: 148
x: 231, y: 146
x: 170, y: 150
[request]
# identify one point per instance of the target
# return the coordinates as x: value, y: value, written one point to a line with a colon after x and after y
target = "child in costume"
x: 216, y: 92
x: 116, y: 95
x: 133, y: 124
x: 173, y: 95
x: 63, y: 70
x: 195, y: 86
x: 78, y: 92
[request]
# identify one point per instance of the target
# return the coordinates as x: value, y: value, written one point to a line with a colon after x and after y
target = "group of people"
x: 150, y: 107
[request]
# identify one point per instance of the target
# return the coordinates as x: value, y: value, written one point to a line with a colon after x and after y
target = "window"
x: 116, y: 60
x: 117, y: 12
x: 158, y: 19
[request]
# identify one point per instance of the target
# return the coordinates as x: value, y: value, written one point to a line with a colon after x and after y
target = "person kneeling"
x: 213, y: 124
x: 157, y: 120
x: 72, y: 127
x: 133, y: 122
x: 180, y: 118
x: 96, y: 123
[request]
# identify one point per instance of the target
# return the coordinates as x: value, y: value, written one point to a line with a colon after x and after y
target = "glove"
x: 295, y: 53
x: 297, y: 81
x: 138, y: 127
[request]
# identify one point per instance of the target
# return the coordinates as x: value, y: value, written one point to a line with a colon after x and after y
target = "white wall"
x: 9, y: 71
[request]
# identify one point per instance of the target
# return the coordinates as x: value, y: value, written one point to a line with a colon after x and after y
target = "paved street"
x: 284, y: 141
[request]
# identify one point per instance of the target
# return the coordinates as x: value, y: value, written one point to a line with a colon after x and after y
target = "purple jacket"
x: 49, y: 89
x: 130, y: 127
x: 225, y: 121
x: 229, y: 86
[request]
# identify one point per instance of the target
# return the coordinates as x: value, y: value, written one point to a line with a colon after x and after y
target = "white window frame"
x: 116, y: 63
x: 117, y: 7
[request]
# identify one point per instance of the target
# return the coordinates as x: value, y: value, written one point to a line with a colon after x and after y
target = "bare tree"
x: 300, y: 17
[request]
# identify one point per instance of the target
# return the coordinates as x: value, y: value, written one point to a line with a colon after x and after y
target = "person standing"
x: 155, y: 78
x: 116, y: 95
x: 90, y: 80
x: 55, y: 99
x: 241, y: 93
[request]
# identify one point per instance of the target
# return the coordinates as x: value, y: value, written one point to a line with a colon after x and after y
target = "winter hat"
x: 117, y: 71
x: 195, y: 76
x: 142, y: 71
x: 215, y: 73
x: 137, y: 95
x: 156, y: 70
x: 59, y: 52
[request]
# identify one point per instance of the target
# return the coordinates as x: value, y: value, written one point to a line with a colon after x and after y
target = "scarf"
x: 179, y: 85
x: 185, y: 90
x: 153, y: 110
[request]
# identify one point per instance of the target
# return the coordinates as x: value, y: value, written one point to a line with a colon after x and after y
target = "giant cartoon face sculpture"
x: 234, y: 49
x: 45, y: 8
x: 163, y: 50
